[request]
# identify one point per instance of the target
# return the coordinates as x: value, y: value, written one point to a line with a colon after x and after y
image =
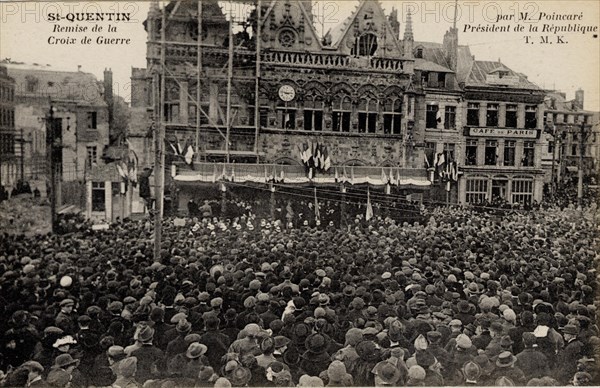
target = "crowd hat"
x: 146, y: 335
x: 33, y: 366
x: 505, y: 360
x: 58, y: 378
x: 463, y: 342
x: 571, y: 329
x: 337, y: 372
x: 471, y: 370
x: 195, y: 350
x: 183, y: 326
x: 64, y: 361
x: 316, y: 343
x: 67, y: 302
x: 387, y: 373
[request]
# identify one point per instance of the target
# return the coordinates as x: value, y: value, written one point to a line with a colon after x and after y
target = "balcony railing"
x: 188, y: 53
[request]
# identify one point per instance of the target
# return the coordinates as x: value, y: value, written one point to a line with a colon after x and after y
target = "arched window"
x: 392, y: 116
x: 313, y: 113
x: 366, y: 45
x: 367, y: 115
x: 286, y: 115
x: 341, y: 114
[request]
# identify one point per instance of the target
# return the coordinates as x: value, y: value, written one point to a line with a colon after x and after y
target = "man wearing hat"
x: 34, y: 377
x: 179, y: 345
x: 531, y: 361
x: 434, y: 338
x: 494, y: 348
x: 568, y: 356
x: 248, y: 343
x: 148, y: 356
x: 65, y: 318
x: 505, y: 367
x: 315, y: 359
x: 337, y: 376
x: 216, y: 342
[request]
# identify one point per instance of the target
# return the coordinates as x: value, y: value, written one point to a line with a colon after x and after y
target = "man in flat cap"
x: 65, y: 318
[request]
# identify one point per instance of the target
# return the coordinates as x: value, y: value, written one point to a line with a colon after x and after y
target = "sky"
x: 25, y: 30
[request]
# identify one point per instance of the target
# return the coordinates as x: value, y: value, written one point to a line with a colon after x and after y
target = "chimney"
x: 393, y: 19
x: 409, y: 38
x: 579, y: 98
x: 108, y: 95
x: 78, y: 67
x: 450, y: 45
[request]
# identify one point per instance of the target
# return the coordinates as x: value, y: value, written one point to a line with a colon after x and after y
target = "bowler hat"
x: 146, y: 334
x: 316, y: 343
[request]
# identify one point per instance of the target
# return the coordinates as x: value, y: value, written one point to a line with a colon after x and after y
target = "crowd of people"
x: 464, y: 298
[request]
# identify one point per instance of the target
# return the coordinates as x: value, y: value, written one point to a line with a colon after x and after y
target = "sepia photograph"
x: 299, y: 193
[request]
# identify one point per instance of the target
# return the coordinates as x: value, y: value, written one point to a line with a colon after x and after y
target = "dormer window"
x: 419, y: 53
x: 366, y: 45
x: 32, y: 84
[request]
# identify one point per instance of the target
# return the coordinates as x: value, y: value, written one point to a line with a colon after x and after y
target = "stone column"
x: 108, y: 200
x: 521, y: 116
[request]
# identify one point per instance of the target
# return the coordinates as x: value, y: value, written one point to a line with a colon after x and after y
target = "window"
x: 264, y: 117
x: 433, y: 116
x: 551, y: 146
x: 473, y: 114
x: 98, y: 199
x: 430, y: 153
x: 509, y: 152
x: 449, y: 152
x: 471, y: 152
x: 511, y: 116
x: 91, y: 120
x: 7, y: 144
x: 313, y: 114
x: 392, y: 117
x: 522, y: 191
x: 419, y: 53
x: 574, y: 148
x: 450, y: 117
x: 171, y: 113
x: 528, y: 153
x: 92, y: 155
x: 367, y: 45
x: 367, y: 116
x: 492, y: 115
x: 530, y: 116
x: 491, y: 152
x: 341, y: 114
x: 287, y: 117
x: 476, y: 190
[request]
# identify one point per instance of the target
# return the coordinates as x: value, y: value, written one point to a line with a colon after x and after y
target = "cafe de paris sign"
x: 504, y: 132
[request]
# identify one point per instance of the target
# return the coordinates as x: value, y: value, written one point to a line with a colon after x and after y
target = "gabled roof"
x: 82, y: 88
x: 307, y: 19
x: 480, y: 70
x: 341, y: 30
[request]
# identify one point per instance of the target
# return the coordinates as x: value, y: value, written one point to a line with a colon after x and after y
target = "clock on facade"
x: 287, y: 93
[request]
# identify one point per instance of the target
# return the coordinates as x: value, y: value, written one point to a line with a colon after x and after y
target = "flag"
x: 214, y: 176
x: 455, y: 172
x: 441, y: 159
x: 384, y: 178
x: 435, y: 160
x: 317, y: 156
x: 337, y: 177
x: 344, y: 175
x: 317, y: 212
x: 427, y: 162
x: 281, y: 175
x: 388, y: 189
x: 326, y: 161
x: 392, y: 177
x: 189, y: 154
x: 266, y: 175
x: 369, y: 213
x: 310, y: 173
x: 438, y: 116
x: 448, y: 186
x: 132, y: 165
x: 121, y: 171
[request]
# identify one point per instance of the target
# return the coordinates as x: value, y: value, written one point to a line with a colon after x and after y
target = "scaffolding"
x: 159, y: 79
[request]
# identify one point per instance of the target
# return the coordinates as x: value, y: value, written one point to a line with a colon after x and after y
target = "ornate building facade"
x: 353, y: 91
